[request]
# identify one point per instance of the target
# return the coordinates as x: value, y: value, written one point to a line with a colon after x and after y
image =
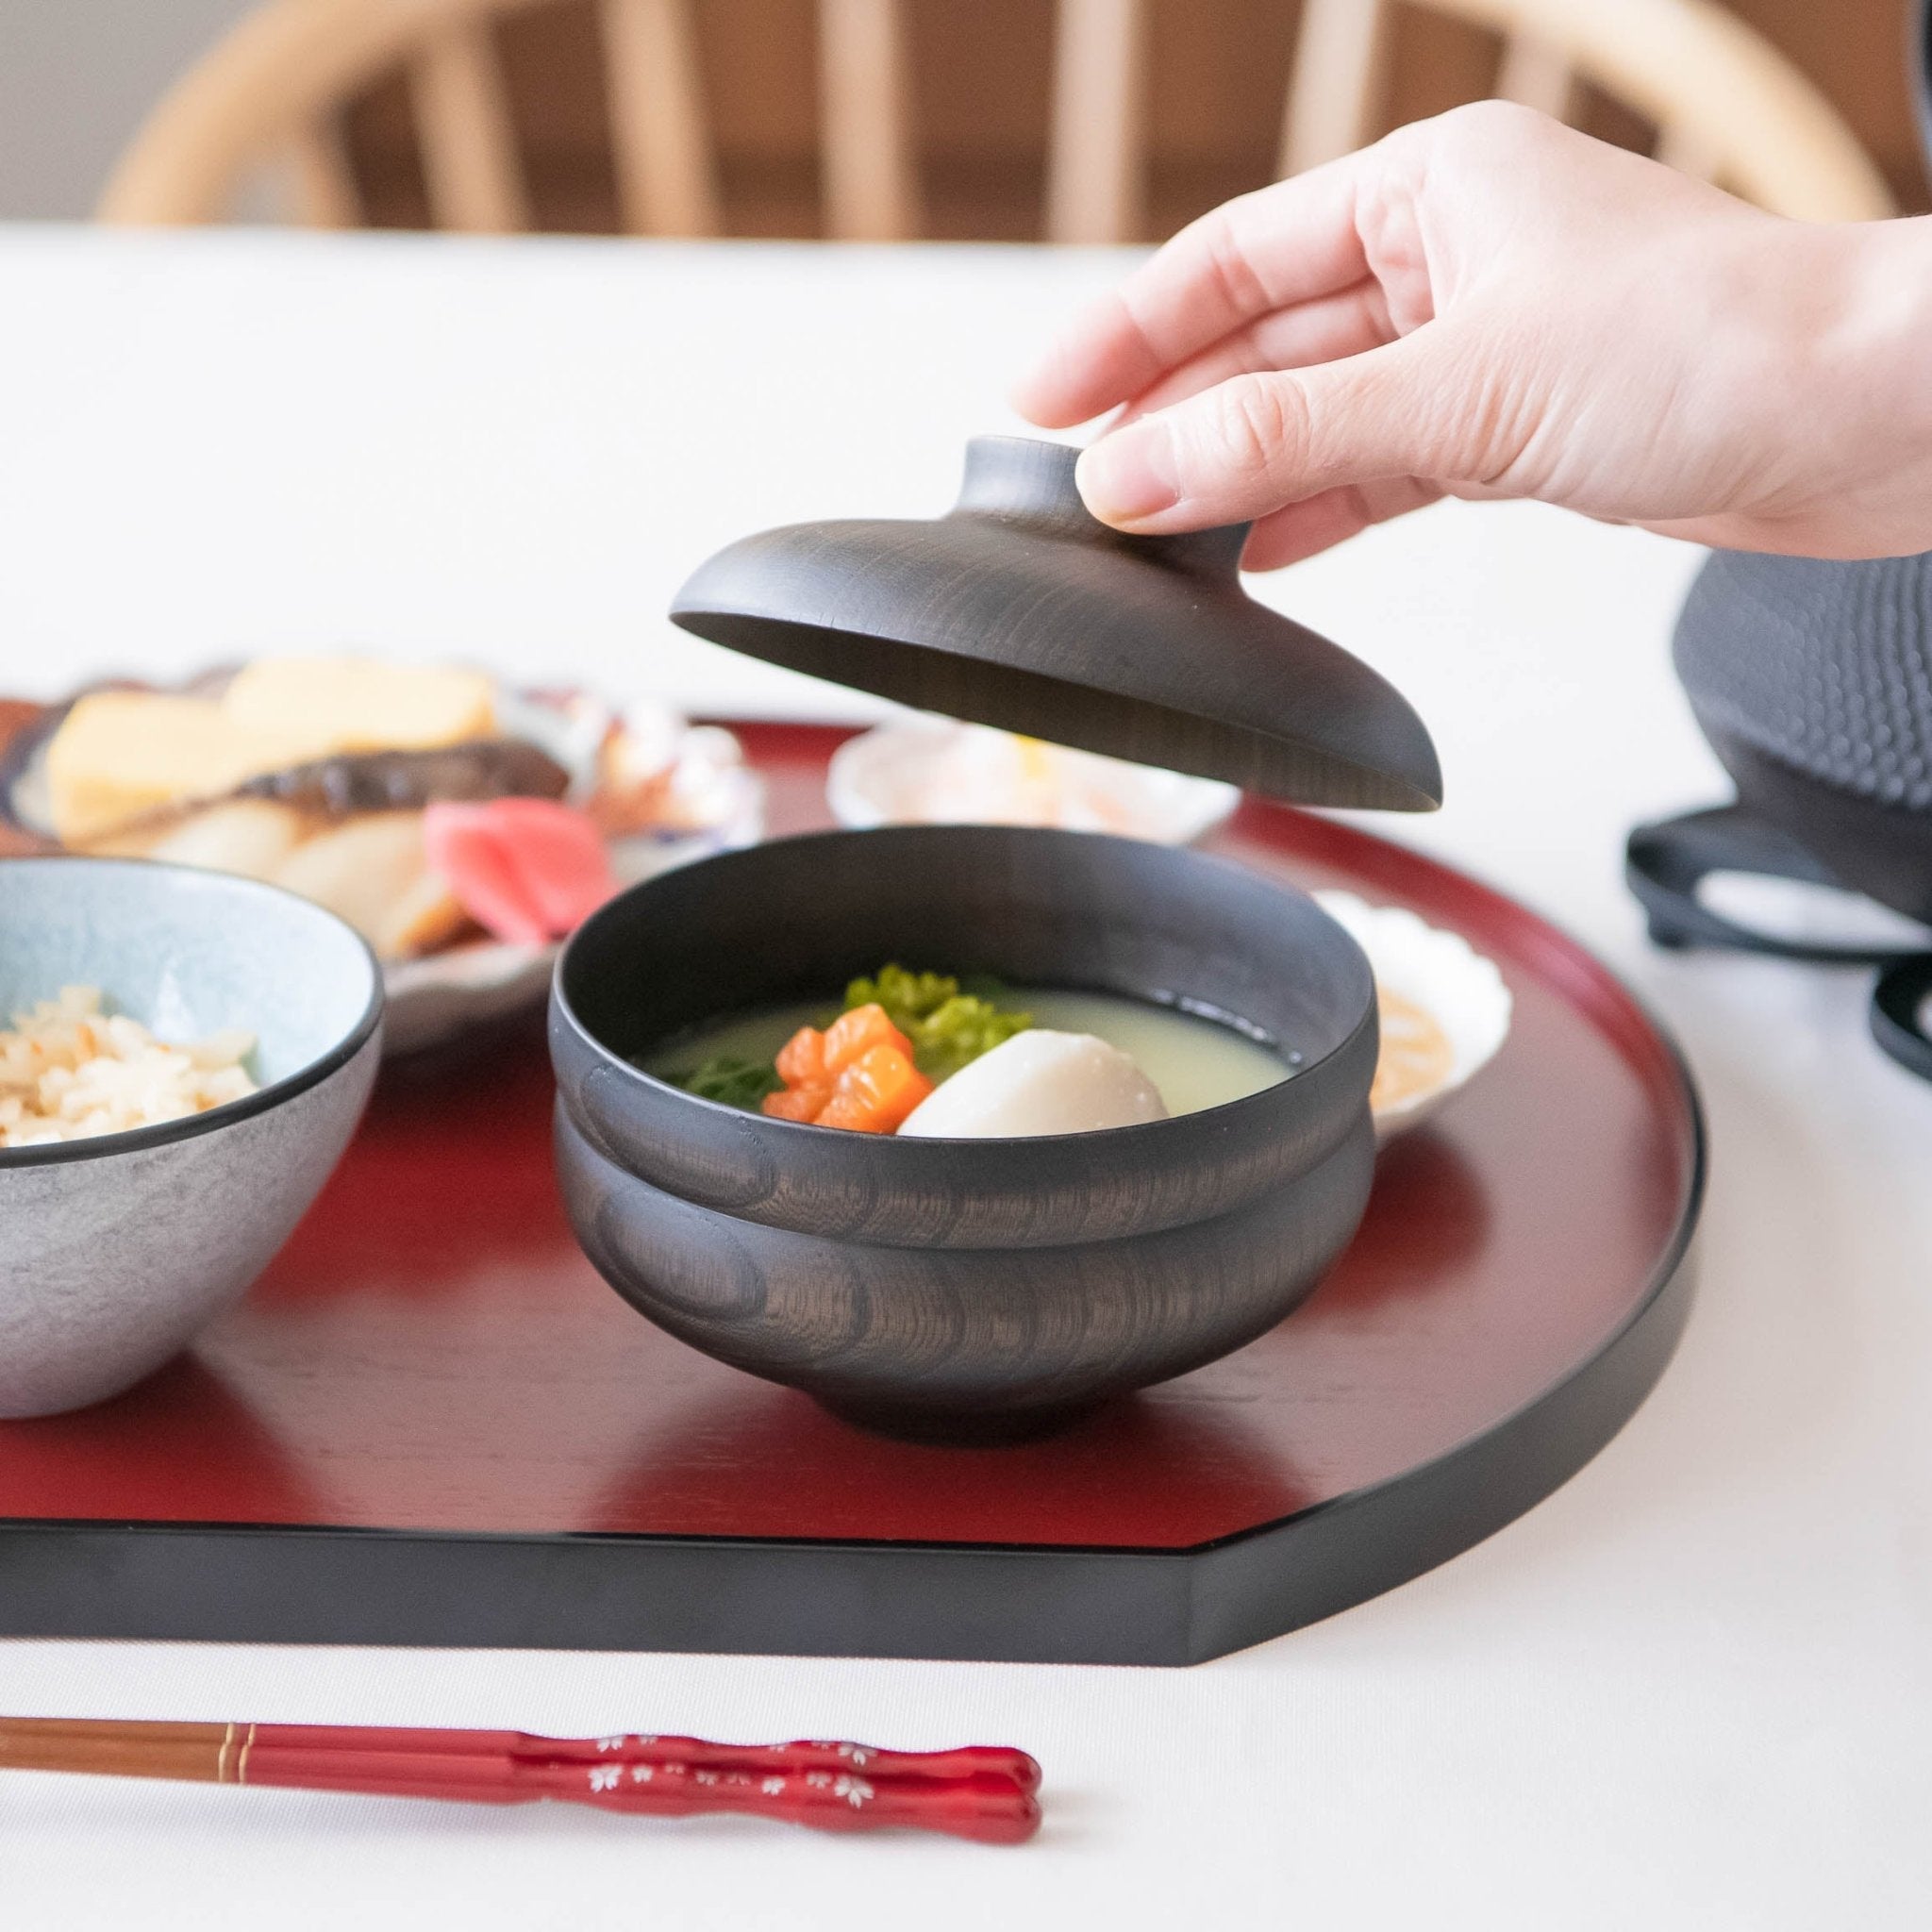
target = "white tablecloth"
x: 1694, y: 1689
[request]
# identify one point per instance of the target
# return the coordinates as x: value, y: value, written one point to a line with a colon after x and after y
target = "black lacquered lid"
x: 1019, y: 608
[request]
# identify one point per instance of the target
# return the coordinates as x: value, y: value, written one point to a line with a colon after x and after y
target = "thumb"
x: 1256, y: 443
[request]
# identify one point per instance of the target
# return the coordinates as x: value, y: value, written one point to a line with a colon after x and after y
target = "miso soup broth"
x: 1194, y: 1063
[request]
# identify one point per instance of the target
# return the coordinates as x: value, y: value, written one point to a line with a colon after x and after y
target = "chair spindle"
x: 321, y: 183
x: 1335, y: 97
x: 1094, y: 177
x: 1536, y: 72
x: 870, y: 194
x: 666, y: 170
x: 462, y: 117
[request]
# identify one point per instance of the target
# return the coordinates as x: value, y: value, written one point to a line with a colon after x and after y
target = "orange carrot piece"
x: 802, y: 1060
x: 798, y: 1103
x: 851, y: 1113
x: 897, y: 1085
x: 853, y: 1035
x: 857, y: 1074
x: 875, y: 1093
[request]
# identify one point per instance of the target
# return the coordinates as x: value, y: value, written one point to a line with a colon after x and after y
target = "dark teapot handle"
x: 1667, y: 861
x: 1898, y: 1003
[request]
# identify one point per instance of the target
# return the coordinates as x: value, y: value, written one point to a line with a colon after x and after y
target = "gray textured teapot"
x: 1813, y: 683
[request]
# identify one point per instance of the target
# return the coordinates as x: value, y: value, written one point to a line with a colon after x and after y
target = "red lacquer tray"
x: 431, y: 1423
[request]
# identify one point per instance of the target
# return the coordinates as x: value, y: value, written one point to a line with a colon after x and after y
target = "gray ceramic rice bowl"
x: 115, y: 1251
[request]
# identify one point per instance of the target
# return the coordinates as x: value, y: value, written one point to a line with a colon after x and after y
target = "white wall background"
x: 77, y: 79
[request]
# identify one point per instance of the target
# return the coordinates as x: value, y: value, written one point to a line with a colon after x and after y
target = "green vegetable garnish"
x: 907, y: 997
x: 734, y: 1081
x: 948, y: 1029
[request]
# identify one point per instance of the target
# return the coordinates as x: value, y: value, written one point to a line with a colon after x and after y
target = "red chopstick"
x: 983, y: 1793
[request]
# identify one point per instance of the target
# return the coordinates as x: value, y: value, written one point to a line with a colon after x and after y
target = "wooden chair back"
x: 1724, y: 102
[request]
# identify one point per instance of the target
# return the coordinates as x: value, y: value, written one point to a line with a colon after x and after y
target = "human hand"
x: 1491, y: 304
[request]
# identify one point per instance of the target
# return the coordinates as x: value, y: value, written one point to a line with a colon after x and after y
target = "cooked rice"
x: 68, y: 1070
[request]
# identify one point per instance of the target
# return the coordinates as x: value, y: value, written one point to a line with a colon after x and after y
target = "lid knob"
x: 1029, y: 482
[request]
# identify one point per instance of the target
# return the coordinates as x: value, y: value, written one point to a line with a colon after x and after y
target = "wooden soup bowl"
x: 962, y: 1289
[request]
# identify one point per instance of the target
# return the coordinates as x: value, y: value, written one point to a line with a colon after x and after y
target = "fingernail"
x: 1130, y: 475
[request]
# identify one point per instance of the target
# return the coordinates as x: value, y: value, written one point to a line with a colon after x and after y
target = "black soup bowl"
x: 967, y: 1290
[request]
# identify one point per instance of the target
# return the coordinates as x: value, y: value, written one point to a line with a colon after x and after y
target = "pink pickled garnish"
x: 560, y: 855
x: 526, y: 870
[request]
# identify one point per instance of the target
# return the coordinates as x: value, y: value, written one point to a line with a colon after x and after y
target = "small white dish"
x: 920, y: 769
x: 1440, y: 973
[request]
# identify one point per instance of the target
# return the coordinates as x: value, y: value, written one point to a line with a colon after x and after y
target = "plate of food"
x: 463, y: 826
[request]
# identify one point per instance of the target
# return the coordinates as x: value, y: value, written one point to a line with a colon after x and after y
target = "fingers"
x: 1322, y: 331
x: 1293, y: 242
x: 1329, y: 518
x: 1256, y: 443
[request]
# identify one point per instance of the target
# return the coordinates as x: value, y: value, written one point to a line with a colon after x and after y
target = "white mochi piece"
x: 1039, y: 1082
